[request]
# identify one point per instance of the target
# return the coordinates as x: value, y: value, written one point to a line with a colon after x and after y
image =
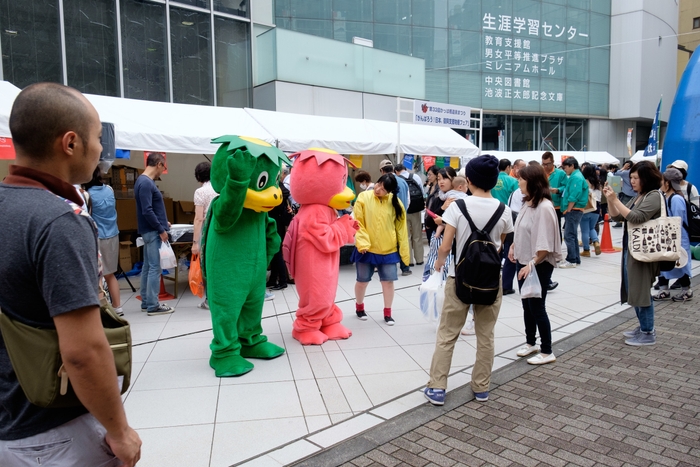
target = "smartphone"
x: 430, y: 213
x: 615, y: 182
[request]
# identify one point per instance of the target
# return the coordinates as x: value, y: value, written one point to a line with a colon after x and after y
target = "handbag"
x: 656, y: 240
x: 36, y: 358
x: 195, y: 277
x: 167, y: 256
x: 591, y: 205
x: 531, y: 287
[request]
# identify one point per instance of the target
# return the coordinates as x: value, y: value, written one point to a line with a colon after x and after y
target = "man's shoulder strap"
x: 490, y: 224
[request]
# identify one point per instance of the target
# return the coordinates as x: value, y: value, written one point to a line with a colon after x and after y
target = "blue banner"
x: 123, y: 154
x: 408, y: 161
x: 653, y: 145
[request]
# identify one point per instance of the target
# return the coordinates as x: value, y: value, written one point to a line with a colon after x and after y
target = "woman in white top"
x: 536, y: 244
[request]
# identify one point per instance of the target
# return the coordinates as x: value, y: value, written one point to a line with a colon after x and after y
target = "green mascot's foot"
x: 234, y: 365
x: 266, y: 350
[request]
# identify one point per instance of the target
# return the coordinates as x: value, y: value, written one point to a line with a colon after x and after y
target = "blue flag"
x: 653, y: 145
x: 408, y: 161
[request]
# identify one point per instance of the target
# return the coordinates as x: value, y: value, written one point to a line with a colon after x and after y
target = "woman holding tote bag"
x: 637, y: 276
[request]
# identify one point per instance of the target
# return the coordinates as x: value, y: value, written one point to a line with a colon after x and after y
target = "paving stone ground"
x: 601, y: 403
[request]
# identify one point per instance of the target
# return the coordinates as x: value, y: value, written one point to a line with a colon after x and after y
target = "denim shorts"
x: 387, y: 272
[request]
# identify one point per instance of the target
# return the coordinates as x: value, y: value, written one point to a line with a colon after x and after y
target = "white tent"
x: 639, y: 156
x: 179, y: 128
x: 158, y: 126
x: 8, y: 92
x: 430, y: 140
x: 296, y: 132
x: 594, y: 157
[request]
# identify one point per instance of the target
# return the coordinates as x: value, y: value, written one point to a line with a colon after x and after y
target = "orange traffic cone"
x: 163, y: 294
x: 606, y: 245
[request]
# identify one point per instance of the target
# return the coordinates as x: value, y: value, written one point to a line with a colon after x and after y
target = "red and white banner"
x: 7, y: 149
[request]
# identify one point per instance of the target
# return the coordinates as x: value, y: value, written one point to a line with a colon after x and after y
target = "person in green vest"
x: 557, y: 183
x: 573, y: 201
x: 506, y: 184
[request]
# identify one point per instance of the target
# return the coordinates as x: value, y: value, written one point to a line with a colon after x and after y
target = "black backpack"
x: 415, y: 193
x: 478, y: 271
x: 693, y: 222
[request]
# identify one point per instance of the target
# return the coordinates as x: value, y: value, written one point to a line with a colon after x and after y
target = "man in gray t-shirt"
x: 49, y: 279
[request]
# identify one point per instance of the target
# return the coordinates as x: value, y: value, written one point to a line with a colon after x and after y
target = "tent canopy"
x: 296, y: 132
x: 8, y: 92
x: 594, y: 157
x: 639, y: 156
x: 181, y: 128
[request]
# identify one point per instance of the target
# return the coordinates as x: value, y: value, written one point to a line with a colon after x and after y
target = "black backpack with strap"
x: 415, y: 193
x: 478, y: 271
x: 693, y: 222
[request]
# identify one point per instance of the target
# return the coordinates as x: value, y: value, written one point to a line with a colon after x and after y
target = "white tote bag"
x: 656, y: 239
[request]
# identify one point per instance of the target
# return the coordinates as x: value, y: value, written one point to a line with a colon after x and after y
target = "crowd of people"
x: 513, y: 211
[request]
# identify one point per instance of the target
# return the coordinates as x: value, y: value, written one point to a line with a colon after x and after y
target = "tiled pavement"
x: 601, y: 403
x: 313, y: 398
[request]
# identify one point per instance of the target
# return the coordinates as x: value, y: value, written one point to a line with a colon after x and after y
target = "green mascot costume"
x: 239, y: 240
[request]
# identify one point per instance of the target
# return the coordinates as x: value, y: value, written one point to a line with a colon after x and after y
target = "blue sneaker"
x: 482, y: 396
x: 435, y: 396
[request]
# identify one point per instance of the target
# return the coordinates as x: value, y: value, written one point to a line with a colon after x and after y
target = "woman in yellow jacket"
x: 381, y: 242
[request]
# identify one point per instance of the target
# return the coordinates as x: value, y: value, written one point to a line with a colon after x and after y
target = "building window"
x: 190, y: 36
x: 145, y: 50
x: 696, y: 23
x: 233, y: 63
x: 91, y: 46
x: 31, y: 42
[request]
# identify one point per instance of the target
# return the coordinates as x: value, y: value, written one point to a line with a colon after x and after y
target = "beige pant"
x: 415, y: 235
x: 454, y: 314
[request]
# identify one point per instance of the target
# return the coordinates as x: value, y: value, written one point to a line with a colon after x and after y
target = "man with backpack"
x: 416, y: 205
x: 478, y: 225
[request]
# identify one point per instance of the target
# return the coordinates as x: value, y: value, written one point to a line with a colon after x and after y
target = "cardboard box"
x: 126, y: 214
x: 184, y: 212
x: 135, y: 255
x: 125, y: 255
x: 169, y: 209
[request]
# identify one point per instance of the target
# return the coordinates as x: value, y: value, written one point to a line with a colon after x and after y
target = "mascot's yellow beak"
x: 263, y: 201
x: 342, y: 200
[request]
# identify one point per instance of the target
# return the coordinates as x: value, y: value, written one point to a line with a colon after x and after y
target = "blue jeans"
x: 645, y: 314
x: 150, y: 274
x: 573, y: 220
x: 588, y: 233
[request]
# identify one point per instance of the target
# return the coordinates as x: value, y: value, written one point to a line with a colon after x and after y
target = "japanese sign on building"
x: 529, y: 59
x: 435, y: 113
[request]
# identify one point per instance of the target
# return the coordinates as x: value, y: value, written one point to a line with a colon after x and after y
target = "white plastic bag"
x: 167, y: 256
x: 432, y: 295
x: 531, y: 287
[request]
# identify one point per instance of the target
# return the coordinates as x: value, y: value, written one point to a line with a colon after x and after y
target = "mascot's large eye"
x: 262, y: 180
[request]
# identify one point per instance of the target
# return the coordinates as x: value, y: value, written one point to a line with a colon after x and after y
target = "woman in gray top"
x: 637, y: 276
x: 536, y: 244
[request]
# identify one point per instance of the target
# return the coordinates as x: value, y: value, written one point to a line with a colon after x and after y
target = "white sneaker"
x: 566, y: 265
x: 119, y: 311
x: 269, y: 296
x: 204, y: 305
x: 541, y: 359
x: 469, y: 328
x: 527, y: 349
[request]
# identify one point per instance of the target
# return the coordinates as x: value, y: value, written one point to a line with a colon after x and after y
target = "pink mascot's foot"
x: 336, y: 331
x: 309, y: 337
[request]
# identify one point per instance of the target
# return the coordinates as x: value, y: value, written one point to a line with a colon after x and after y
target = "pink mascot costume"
x: 318, y: 184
